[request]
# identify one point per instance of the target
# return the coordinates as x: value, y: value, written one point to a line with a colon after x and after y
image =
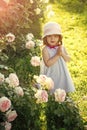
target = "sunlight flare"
x: 7, y: 1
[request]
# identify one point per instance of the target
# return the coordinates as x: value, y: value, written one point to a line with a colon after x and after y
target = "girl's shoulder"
x: 44, y: 48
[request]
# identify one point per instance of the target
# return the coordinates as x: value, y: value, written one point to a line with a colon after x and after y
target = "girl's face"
x: 52, y: 39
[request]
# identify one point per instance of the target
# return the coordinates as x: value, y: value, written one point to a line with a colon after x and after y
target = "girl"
x: 55, y: 57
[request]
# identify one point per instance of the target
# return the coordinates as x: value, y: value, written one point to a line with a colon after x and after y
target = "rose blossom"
x: 1, y: 78
x: 29, y: 36
x: 41, y: 79
x: 45, y: 1
x: 11, y: 115
x: 10, y: 37
x: 41, y: 96
x: 37, y: 10
x: 46, y: 82
x: 7, y: 126
x: 29, y: 44
x: 60, y: 95
x: 35, y: 61
x: 5, y: 104
x: 12, y: 80
x: 49, y: 84
x: 31, y: 1
x: 7, y: 1
x: 19, y: 91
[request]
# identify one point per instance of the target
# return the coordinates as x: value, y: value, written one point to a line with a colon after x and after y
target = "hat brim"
x: 52, y: 33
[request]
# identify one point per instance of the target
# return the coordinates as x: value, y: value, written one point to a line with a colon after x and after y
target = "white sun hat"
x: 51, y: 28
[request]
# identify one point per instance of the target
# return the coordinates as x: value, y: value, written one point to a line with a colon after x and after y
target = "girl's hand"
x: 59, y: 50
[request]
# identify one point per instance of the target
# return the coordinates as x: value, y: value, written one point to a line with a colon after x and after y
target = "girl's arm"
x: 65, y: 54
x: 47, y: 60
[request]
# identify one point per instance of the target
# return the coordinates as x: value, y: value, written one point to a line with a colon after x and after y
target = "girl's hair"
x: 46, y: 43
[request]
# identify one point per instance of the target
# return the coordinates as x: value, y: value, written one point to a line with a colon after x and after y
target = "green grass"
x: 71, y: 15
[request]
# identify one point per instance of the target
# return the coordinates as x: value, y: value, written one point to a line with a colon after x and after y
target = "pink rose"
x: 42, y: 96
x: 29, y: 44
x: 37, y: 11
x: 31, y: 1
x: 41, y: 79
x: 49, y: 84
x: 10, y: 37
x: 35, y: 61
x: 45, y: 82
x: 60, y: 95
x: 29, y: 36
x: 12, y: 80
x: 11, y: 115
x: 5, y: 104
x: 19, y: 91
x: 7, y: 126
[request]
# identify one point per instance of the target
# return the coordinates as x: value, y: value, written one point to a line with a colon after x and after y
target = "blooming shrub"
x: 26, y: 54
x: 20, y: 110
x: 60, y: 110
x: 8, y: 90
x: 64, y: 115
x: 24, y: 15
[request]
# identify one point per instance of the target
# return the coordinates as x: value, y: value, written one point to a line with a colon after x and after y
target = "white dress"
x: 58, y: 72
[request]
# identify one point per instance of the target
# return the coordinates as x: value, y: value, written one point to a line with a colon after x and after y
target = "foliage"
x: 63, y: 115
x: 32, y: 115
x: 27, y: 110
x: 7, y: 111
x: 21, y: 16
x: 21, y: 64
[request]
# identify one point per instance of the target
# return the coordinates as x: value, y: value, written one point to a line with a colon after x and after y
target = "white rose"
x: 19, y: 91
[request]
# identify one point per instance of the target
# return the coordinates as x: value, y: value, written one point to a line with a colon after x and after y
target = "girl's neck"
x: 52, y: 46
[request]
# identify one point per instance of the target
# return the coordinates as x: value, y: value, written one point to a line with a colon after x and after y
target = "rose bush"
x: 25, y: 52
x: 63, y: 115
x: 20, y: 106
x: 7, y: 92
x: 61, y: 112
